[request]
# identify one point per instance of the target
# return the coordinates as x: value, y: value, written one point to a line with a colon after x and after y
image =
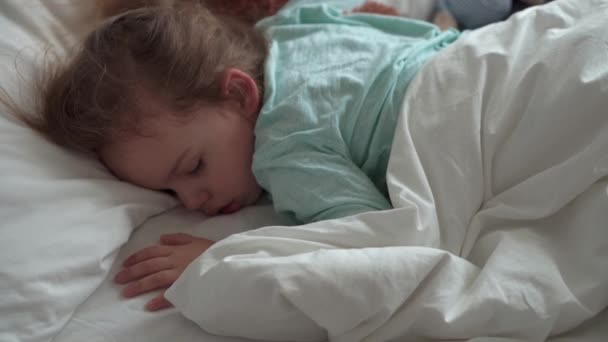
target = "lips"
x: 232, y: 207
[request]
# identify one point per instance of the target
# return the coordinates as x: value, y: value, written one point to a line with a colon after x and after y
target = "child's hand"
x: 159, y: 266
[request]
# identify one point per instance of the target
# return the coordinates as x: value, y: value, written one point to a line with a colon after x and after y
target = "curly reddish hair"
x: 255, y: 10
x: 377, y: 8
x: 91, y: 98
x: 250, y: 11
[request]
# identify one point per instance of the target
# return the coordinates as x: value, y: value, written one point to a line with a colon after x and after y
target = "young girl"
x: 214, y: 112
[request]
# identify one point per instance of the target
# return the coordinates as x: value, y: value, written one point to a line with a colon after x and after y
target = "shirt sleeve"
x: 316, y: 185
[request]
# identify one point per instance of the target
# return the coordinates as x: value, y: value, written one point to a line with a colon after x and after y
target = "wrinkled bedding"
x: 499, y: 231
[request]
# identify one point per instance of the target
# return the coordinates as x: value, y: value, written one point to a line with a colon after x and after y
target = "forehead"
x: 145, y: 159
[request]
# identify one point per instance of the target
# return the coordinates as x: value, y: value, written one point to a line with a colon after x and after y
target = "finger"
x: 147, y: 253
x: 160, y: 280
x: 142, y: 269
x: 176, y: 239
x: 158, y: 303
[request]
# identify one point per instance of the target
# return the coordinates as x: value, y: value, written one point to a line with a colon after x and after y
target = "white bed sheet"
x: 63, y: 217
x: 106, y: 317
x: 499, y: 181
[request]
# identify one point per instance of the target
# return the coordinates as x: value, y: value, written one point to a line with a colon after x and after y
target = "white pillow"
x: 63, y: 217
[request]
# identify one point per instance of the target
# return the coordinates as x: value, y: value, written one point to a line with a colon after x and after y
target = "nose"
x: 191, y: 198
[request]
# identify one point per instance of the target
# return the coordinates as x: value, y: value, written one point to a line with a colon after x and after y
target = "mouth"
x: 230, y: 208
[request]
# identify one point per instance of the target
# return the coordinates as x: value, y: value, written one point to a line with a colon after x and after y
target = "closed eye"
x: 169, y: 192
x: 197, y: 168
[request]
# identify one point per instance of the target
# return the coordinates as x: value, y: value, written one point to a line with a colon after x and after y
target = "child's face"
x: 205, y: 159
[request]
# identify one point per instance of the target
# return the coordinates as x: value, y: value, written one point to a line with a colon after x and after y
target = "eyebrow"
x: 178, y: 162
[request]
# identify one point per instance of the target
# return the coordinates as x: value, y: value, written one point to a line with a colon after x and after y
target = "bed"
x: 500, y: 273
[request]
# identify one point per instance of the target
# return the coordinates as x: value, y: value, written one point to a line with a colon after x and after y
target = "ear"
x: 240, y: 88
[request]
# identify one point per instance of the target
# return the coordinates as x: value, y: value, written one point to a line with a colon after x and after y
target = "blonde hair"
x: 176, y: 52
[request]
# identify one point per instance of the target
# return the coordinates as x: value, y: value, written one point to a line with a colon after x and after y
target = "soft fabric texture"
x: 333, y: 87
x: 63, y: 216
x: 499, y: 231
x: 106, y: 316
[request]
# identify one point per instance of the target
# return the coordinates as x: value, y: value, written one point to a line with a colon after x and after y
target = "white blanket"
x: 498, y: 177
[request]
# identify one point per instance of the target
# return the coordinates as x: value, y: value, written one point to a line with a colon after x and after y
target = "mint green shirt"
x: 334, y: 83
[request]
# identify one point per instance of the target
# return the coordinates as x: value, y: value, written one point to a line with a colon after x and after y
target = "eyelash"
x: 169, y: 192
x: 197, y: 168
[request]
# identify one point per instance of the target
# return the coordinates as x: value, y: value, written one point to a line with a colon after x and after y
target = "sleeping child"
x: 302, y: 107
x: 492, y: 201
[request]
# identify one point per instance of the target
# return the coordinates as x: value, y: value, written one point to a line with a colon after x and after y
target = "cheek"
x: 242, y: 151
x: 243, y: 169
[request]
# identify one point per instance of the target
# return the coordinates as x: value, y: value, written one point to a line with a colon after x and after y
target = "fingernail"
x: 152, y: 306
x: 118, y: 277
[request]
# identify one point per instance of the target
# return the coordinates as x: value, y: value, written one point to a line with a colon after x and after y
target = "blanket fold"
x: 500, y: 190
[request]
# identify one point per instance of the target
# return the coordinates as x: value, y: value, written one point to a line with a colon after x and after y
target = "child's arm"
x: 310, y: 185
x: 159, y: 266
